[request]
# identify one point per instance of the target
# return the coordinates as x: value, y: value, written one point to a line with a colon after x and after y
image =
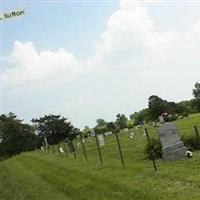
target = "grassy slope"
x: 37, y: 175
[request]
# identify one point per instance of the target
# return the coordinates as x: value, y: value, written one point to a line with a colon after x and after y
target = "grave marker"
x: 101, y: 140
x: 172, y: 147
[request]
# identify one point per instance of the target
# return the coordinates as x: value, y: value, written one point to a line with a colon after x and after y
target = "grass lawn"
x: 45, y: 176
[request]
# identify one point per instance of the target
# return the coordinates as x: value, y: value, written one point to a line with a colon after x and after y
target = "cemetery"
x: 109, y: 167
x: 100, y: 100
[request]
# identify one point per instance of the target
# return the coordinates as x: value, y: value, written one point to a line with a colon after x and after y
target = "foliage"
x: 196, y: 93
x: 154, y: 149
x: 101, y: 122
x: 141, y: 117
x: 86, y: 132
x: 157, y: 106
x: 112, y: 127
x: 121, y: 121
x: 192, y: 142
x: 55, y: 128
x: 16, y: 136
x: 101, y: 130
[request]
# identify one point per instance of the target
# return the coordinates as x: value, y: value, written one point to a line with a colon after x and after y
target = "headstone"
x: 78, y: 145
x: 45, y: 141
x: 89, y: 140
x: 71, y: 146
x: 101, y: 140
x: 92, y: 133
x: 172, y: 147
x: 42, y: 148
x: 131, y: 135
x: 108, y: 133
x: 61, y: 150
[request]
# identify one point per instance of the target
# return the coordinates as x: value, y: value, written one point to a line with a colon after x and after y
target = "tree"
x: 112, y: 126
x: 156, y: 106
x: 55, y: 128
x: 196, y: 93
x: 16, y: 136
x: 141, y: 116
x: 101, y: 122
x: 121, y: 121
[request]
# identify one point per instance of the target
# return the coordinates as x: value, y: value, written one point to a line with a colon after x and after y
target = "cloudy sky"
x: 93, y: 59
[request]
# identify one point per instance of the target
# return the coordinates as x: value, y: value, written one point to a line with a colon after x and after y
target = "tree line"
x: 17, y: 136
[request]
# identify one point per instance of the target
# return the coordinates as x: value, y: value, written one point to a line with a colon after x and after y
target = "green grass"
x: 45, y: 176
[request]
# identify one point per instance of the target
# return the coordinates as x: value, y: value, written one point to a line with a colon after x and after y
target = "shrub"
x: 192, y: 142
x: 154, y: 149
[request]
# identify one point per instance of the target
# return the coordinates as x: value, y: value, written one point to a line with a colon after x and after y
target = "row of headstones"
x: 72, y: 148
x: 173, y: 148
x: 100, y: 141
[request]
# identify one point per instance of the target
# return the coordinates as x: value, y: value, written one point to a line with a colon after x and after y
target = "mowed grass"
x: 38, y: 175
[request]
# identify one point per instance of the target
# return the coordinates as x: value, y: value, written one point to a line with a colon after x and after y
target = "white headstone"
x: 78, y: 145
x: 92, y: 133
x: 101, y: 140
x: 108, y: 133
x: 61, y: 150
x: 42, y: 148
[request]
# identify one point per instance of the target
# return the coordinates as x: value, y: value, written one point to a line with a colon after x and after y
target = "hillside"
x: 41, y: 176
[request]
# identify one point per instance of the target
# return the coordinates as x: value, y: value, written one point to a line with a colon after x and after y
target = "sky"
x: 88, y: 59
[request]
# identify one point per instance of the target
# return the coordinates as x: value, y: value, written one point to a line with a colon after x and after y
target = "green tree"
x: 16, y: 136
x: 156, y: 106
x: 101, y: 122
x: 196, y: 93
x: 55, y: 128
x: 121, y: 121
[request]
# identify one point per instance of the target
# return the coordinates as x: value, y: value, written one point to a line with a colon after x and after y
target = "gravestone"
x: 108, y: 133
x: 42, y: 148
x: 61, y: 150
x: 92, y: 133
x: 101, y: 140
x: 172, y: 147
x: 131, y: 135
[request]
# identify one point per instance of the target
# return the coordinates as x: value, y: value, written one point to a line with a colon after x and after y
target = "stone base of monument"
x: 174, y: 152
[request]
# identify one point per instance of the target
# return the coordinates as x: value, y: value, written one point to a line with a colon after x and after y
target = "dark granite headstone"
x: 172, y: 147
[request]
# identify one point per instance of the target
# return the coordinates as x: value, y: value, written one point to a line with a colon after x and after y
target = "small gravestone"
x: 61, y: 150
x: 78, y: 145
x: 92, y: 133
x: 42, y: 148
x: 131, y: 135
x: 101, y: 140
x: 172, y: 147
x: 108, y: 133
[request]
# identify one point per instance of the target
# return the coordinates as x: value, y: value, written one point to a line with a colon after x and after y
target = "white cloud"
x: 131, y: 61
x: 30, y: 66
